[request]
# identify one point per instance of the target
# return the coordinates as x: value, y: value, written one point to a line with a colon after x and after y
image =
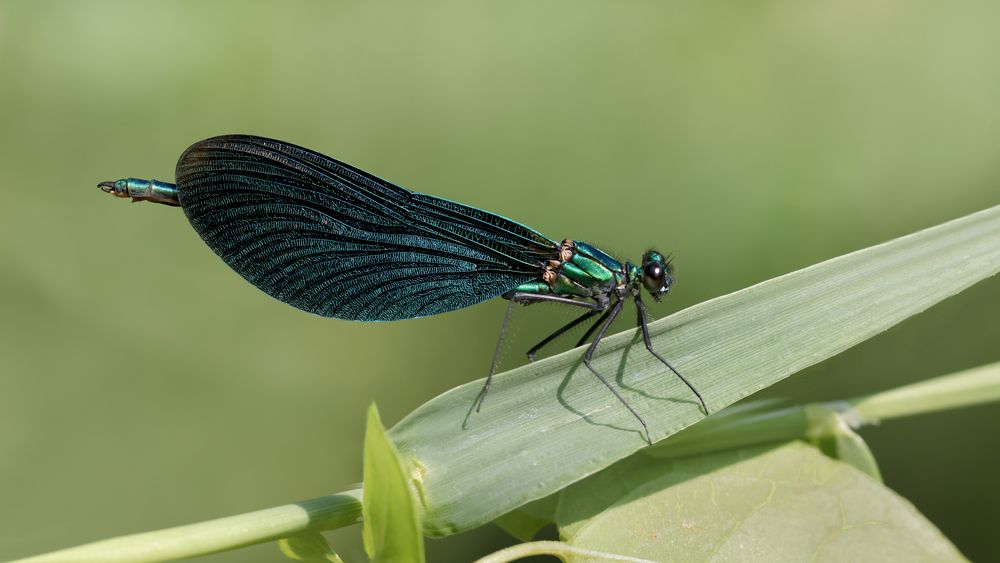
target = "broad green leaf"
x: 787, y: 503
x: 309, y: 546
x: 550, y: 423
x: 391, y: 523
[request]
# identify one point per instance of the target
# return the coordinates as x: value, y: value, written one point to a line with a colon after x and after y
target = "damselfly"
x: 333, y: 240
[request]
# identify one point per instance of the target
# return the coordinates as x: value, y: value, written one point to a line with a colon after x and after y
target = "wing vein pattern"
x: 333, y: 240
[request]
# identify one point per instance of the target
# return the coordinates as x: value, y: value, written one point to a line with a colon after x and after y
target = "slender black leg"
x: 534, y: 349
x: 649, y: 346
x: 527, y: 298
x: 496, y: 358
x: 617, y: 308
x: 592, y: 328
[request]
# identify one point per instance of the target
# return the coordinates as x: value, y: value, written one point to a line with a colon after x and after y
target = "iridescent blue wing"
x: 333, y: 240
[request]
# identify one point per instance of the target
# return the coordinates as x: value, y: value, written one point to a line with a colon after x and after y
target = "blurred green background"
x: 144, y: 385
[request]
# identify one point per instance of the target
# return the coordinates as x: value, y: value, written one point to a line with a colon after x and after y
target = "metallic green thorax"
x: 143, y: 190
x: 582, y: 271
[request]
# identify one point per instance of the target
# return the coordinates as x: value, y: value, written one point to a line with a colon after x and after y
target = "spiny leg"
x: 649, y: 346
x: 617, y: 308
x: 523, y: 297
x: 534, y: 349
x: 529, y: 298
x: 496, y: 358
x: 592, y: 328
x: 582, y: 340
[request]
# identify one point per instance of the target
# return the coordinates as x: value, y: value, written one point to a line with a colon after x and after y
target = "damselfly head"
x: 657, y: 274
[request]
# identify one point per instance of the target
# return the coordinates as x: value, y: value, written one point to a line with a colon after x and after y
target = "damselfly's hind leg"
x: 528, y: 298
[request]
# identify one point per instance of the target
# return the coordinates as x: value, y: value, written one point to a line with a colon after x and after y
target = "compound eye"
x: 654, y: 271
x: 652, y: 277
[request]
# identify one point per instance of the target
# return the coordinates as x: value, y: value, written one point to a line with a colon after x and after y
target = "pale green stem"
x: 965, y: 388
x: 333, y: 511
x: 557, y: 549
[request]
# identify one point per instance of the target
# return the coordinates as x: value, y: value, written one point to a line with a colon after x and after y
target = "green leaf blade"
x: 775, y: 503
x: 549, y: 424
x: 391, y: 528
